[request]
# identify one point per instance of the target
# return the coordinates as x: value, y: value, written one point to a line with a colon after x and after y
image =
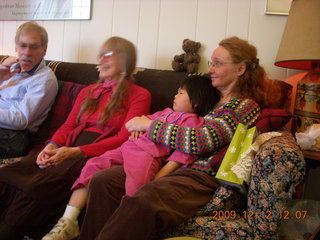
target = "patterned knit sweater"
x: 218, y: 130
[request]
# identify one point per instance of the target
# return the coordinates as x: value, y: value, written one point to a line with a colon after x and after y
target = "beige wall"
x: 158, y: 27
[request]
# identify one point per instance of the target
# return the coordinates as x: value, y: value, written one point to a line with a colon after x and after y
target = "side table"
x: 313, y: 155
x: 311, y: 186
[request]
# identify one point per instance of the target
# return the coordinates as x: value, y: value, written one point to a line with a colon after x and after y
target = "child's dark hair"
x: 202, y: 94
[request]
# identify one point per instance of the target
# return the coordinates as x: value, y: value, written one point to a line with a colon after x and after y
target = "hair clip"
x: 254, y: 64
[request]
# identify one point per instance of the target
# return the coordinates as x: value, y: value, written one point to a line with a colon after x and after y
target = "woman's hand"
x: 135, y: 135
x: 140, y: 124
x: 50, y: 156
x: 43, y: 156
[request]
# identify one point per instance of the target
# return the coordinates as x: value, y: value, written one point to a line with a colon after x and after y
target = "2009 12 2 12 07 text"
x: 285, y: 214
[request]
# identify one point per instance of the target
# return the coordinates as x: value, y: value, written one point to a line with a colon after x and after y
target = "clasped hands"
x: 51, y: 155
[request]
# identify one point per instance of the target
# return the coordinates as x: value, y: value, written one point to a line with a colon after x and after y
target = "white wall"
x: 158, y: 27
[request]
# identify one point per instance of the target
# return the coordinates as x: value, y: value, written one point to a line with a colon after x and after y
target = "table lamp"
x: 300, y: 49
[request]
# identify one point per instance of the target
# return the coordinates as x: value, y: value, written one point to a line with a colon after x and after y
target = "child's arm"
x: 135, y: 135
x: 169, y: 167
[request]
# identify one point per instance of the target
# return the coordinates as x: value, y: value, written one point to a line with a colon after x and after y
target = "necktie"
x: 15, y: 79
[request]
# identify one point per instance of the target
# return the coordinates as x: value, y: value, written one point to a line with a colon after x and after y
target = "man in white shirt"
x: 26, y: 92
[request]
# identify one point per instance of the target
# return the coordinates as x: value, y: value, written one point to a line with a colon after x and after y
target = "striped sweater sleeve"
x: 220, y: 125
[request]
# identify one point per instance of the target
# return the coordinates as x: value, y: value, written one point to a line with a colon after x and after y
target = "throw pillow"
x: 272, y: 119
x: 67, y: 94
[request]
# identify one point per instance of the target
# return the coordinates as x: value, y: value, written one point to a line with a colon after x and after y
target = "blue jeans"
x: 13, y: 143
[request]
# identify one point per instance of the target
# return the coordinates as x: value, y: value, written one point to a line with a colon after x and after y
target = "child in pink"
x: 148, y: 156
x: 196, y: 97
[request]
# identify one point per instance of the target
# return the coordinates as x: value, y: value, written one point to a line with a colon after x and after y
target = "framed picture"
x: 278, y: 7
x: 45, y: 10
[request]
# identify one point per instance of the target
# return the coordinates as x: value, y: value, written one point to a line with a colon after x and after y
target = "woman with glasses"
x: 34, y: 192
x: 172, y: 199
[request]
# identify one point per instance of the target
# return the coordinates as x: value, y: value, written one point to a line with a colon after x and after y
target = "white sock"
x: 71, y: 212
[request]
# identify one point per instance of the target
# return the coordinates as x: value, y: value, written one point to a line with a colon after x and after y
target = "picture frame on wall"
x: 278, y: 7
x: 18, y: 10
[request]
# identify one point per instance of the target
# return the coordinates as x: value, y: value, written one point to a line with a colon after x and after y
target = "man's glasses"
x: 32, y: 46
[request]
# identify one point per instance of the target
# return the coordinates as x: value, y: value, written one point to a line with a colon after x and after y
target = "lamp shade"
x: 300, y: 43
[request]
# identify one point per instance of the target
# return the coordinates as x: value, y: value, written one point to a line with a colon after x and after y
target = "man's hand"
x: 139, y: 124
x: 5, y: 71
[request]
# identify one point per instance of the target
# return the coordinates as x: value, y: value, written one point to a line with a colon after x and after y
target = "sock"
x: 71, y: 212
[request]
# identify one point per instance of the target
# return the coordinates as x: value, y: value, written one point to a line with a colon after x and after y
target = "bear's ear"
x: 187, y: 39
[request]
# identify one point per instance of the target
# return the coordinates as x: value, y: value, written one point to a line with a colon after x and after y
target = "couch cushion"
x: 3, y: 58
x: 59, y: 112
x: 162, y: 84
x: 272, y: 119
x: 83, y: 73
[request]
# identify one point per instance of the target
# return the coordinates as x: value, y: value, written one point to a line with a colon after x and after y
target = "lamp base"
x: 307, y: 105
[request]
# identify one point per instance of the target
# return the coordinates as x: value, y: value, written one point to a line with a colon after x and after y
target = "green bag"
x: 240, y: 142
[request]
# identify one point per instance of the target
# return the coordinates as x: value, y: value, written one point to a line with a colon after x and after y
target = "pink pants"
x: 140, y: 167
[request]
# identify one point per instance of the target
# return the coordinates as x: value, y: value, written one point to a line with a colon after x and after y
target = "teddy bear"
x: 188, y: 61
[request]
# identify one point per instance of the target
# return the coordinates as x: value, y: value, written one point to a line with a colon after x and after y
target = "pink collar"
x: 102, y: 89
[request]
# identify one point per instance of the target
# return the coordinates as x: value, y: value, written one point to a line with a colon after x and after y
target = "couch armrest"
x: 278, y: 168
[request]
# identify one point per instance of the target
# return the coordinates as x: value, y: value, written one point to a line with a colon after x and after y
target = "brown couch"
x: 282, y: 152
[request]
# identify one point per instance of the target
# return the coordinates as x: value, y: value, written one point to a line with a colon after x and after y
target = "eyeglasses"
x: 108, y: 54
x: 32, y: 46
x: 217, y: 64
